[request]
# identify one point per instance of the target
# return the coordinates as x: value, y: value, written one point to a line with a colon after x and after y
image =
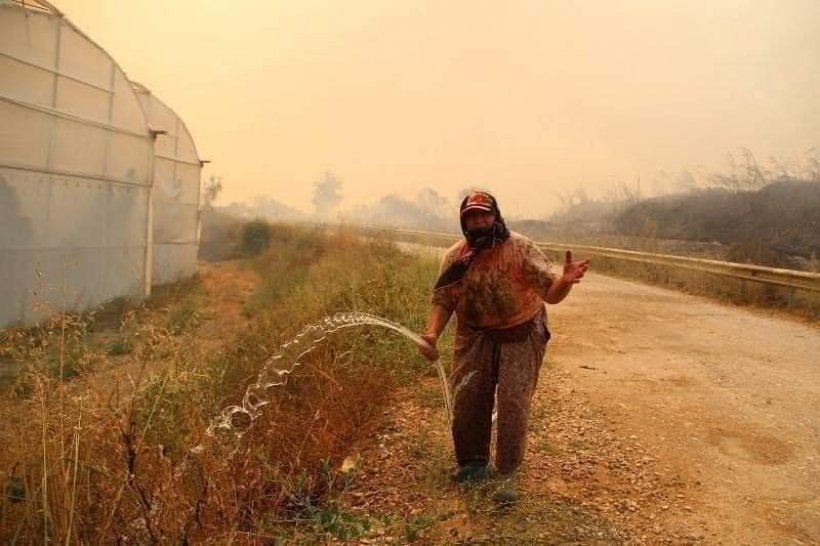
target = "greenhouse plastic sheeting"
x: 67, y: 243
x: 76, y: 171
x: 175, y: 196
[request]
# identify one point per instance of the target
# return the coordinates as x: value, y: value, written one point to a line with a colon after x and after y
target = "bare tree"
x: 686, y: 181
x: 806, y: 168
x: 812, y: 169
x: 744, y: 174
x: 212, y: 189
x: 625, y: 193
x: 779, y: 169
x: 754, y: 176
x: 432, y: 203
x: 730, y: 180
x: 327, y: 194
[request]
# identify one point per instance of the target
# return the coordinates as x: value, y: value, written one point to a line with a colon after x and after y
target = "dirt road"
x: 659, y: 418
x: 727, y: 397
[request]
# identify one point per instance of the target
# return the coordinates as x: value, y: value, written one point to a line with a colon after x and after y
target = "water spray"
x: 240, y: 418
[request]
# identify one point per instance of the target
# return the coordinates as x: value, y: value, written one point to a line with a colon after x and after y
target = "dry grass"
x: 96, y: 459
x: 800, y: 303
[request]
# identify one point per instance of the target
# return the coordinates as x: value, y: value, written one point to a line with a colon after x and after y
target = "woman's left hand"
x: 574, y: 271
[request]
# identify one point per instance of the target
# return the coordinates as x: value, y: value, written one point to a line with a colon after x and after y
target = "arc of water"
x: 276, y: 369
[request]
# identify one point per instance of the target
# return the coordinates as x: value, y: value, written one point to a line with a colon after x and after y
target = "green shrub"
x: 255, y: 238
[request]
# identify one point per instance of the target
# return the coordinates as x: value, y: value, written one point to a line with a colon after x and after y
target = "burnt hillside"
x: 776, y: 225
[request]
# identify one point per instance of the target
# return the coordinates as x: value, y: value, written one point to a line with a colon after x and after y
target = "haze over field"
x: 528, y: 98
x: 199, y: 307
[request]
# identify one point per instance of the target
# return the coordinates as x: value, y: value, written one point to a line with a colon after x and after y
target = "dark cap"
x: 478, y: 200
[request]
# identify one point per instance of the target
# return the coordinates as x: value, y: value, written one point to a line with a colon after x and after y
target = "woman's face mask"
x: 479, y: 232
x: 478, y: 221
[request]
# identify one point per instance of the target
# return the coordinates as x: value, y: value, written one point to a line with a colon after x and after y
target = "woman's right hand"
x: 430, y: 352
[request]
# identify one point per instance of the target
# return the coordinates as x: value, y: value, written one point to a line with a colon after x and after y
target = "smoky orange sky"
x: 528, y: 99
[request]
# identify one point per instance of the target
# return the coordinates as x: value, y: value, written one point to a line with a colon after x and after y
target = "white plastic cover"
x: 67, y: 243
x: 175, y: 195
x: 75, y: 171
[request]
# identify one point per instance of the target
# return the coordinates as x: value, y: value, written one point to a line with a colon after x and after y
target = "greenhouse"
x: 99, y: 179
x: 174, y: 194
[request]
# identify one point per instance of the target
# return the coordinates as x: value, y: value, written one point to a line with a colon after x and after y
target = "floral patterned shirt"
x: 505, y: 285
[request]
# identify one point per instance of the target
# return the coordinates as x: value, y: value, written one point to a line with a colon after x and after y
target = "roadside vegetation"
x: 104, y: 425
x: 104, y: 419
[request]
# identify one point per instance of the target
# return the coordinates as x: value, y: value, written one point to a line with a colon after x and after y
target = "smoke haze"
x: 528, y: 99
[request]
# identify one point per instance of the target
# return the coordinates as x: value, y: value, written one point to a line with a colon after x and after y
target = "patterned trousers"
x: 487, y: 369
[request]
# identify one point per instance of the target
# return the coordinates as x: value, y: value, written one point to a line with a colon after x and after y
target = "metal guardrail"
x: 789, y: 278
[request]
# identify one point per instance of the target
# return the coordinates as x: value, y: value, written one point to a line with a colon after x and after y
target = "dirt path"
x: 659, y: 418
x: 228, y: 287
x: 727, y: 397
x: 220, y: 293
